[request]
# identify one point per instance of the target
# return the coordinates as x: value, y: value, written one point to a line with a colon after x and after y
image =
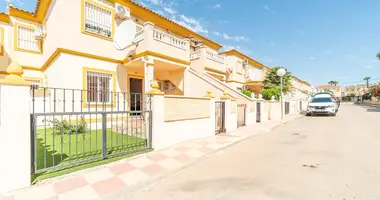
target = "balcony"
x: 205, y: 59
x: 152, y: 39
x: 253, y: 74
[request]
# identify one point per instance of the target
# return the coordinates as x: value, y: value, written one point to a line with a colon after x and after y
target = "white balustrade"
x: 139, y: 36
x: 215, y: 57
x: 169, y: 39
x: 195, y: 55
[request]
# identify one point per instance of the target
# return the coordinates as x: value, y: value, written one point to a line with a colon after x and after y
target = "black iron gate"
x: 219, y: 117
x: 287, y: 107
x: 70, y: 127
x: 258, y: 112
x: 241, y: 110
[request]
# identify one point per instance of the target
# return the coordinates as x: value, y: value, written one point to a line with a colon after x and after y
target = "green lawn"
x: 68, y: 149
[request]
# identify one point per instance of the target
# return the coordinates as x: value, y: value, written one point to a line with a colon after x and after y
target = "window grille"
x: 35, y: 83
x: 99, y: 87
x: 26, y: 39
x: 98, y: 20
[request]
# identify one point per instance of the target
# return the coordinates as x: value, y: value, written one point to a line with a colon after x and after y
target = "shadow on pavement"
x: 369, y: 107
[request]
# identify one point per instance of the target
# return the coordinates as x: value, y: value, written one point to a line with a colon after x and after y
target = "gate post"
x: 15, y: 133
x: 157, y: 125
x: 230, y: 118
x: 251, y: 113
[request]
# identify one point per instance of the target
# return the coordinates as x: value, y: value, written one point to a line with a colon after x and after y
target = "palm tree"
x: 334, y: 83
x: 367, y: 78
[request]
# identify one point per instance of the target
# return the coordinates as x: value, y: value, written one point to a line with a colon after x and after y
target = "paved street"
x: 310, y: 158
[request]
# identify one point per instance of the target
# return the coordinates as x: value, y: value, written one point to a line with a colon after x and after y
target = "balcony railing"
x: 169, y: 39
x: 195, y: 55
x: 139, y: 36
x: 215, y: 57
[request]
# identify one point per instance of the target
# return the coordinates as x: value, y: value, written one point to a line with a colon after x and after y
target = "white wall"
x: 15, y: 168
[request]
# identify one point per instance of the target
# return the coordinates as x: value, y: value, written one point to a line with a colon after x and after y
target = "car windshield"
x: 321, y: 100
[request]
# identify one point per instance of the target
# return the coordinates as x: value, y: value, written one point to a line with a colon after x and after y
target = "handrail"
x: 169, y: 39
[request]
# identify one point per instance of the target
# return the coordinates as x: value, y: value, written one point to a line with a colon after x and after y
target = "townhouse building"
x: 300, y: 88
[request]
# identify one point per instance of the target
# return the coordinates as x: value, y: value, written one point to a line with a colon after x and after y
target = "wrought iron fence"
x: 69, y: 128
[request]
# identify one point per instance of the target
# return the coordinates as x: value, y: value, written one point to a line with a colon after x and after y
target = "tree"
x: 273, y: 81
x: 378, y: 56
x: 332, y: 82
x: 367, y: 80
x: 268, y: 93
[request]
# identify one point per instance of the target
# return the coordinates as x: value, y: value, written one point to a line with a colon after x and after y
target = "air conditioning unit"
x: 39, y: 34
x: 122, y: 12
x: 245, y: 62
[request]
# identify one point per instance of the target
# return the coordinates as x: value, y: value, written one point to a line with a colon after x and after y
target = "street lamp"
x: 281, y: 72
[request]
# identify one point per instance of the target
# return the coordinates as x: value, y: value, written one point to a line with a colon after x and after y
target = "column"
x: 15, y: 134
x: 157, y: 124
x: 251, y: 116
x: 148, y: 74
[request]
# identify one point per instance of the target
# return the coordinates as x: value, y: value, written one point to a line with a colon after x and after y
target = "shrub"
x: 268, y: 93
x: 247, y: 93
x: 66, y: 128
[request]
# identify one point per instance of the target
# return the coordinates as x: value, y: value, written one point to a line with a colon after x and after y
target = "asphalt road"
x: 312, y: 158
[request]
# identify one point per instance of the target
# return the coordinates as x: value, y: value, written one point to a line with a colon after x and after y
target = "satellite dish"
x: 124, y: 34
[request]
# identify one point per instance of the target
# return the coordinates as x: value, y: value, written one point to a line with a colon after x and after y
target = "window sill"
x: 28, y: 51
x: 98, y: 35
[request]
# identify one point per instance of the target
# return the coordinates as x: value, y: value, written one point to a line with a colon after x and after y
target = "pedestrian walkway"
x: 136, y: 172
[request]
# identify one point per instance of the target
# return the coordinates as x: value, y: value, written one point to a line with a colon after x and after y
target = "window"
x: 99, y: 87
x: 239, y: 67
x: 25, y: 39
x: 98, y: 20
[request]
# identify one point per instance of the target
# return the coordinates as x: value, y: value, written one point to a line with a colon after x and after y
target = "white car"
x: 322, y: 105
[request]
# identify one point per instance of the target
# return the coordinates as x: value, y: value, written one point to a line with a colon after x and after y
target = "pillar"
x: 15, y: 134
x: 149, y: 74
x: 229, y: 118
x: 157, y: 119
x: 250, y: 113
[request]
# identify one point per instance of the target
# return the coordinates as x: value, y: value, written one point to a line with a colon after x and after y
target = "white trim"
x: 238, y: 92
x: 213, y: 84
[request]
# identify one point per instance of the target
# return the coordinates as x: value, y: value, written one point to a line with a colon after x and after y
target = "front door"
x: 135, y: 91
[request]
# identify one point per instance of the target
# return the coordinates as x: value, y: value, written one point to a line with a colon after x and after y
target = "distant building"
x: 335, y: 90
x: 357, y: 90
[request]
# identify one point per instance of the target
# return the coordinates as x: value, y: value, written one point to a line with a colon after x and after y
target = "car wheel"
x: 308, y: 114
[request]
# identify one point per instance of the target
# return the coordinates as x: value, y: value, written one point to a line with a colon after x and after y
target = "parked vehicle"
x: 322, y: 106
x: 327, y: 94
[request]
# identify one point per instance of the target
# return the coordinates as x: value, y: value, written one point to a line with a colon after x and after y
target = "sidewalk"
x: 134, y: 173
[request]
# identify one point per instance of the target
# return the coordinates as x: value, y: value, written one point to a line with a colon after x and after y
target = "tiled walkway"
x: 101, y: 181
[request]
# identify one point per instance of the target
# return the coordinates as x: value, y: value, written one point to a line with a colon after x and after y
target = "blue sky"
x: 317, y: 40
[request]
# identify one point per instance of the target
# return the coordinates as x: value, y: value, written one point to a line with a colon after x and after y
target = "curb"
x: 150, y: 182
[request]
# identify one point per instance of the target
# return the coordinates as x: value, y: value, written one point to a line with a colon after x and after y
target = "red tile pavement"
x: 182, y: 148
x: 157, y: 157
x: 108, y: 186
x: 153, y: 169
x: 113, y: 177
x: 69, y: 184
x: 206, y: 150
x: 183, y: 158
x: 122, y: 168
